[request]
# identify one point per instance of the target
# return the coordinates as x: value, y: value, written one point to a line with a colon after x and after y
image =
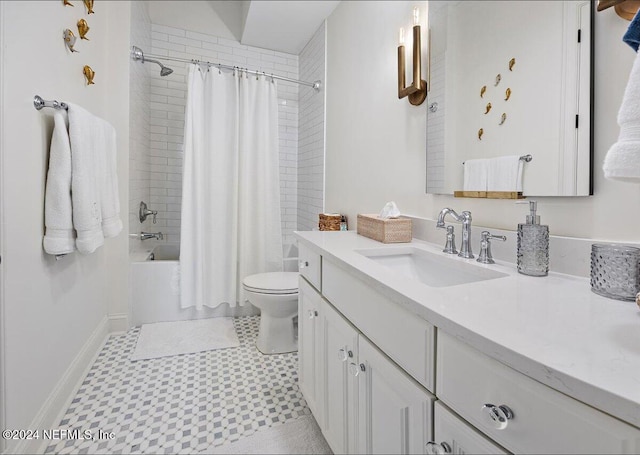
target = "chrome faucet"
x: 465, y: 219
x: 151, y: 235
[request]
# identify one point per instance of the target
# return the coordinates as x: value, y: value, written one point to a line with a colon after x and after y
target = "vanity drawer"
x: 457, y: 436
x: 407, y: 339
x: 543, y: 420
x: 309, y: 265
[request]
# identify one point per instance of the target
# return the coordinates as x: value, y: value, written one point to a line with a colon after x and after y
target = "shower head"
x: 137, y: 54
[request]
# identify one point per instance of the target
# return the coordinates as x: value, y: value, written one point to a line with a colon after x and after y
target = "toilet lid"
x: 272, y: 283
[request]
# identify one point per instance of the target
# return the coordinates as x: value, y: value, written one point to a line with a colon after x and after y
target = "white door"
x: 339, y: 348
x: 394, y: 411
x: 455, y: 436
x: 309, y: 302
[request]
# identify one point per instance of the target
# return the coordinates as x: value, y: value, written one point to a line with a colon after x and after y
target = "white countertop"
x: 553, y: 328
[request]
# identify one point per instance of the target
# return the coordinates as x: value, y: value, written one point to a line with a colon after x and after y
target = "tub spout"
x: 151, y: 235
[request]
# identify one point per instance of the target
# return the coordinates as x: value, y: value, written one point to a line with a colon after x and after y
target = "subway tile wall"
x: 167, y: 103
x: 139, y: 159
x: 311, y: 134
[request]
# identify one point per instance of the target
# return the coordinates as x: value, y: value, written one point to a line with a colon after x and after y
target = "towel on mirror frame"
x: 504, y: 173
x: 475, y: 175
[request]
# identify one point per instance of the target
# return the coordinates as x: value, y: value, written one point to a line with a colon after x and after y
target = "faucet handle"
x: 450, y: 245
x: 485, y: 256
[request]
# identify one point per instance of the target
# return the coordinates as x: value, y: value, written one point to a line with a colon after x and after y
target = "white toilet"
x: 276, y: 294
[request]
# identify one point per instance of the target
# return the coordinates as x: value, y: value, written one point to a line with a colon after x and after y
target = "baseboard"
x: 60, y: 398
x: 118, y: 322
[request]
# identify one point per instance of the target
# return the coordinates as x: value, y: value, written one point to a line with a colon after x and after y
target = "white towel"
x: 96, y: 207
x: 59, y: 235
x: 623, y: 158
x: 475, y: 175
x: 504, y: 173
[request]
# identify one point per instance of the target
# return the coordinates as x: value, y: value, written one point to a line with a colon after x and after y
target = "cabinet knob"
x: 433, y: 448
x: 313, y: 314
x: 303, y: 264
x: 342, y: 355
x: 355, y: 369
x: 499, y: 415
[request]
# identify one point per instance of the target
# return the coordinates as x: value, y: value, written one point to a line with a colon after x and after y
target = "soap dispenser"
x: 533, y: 245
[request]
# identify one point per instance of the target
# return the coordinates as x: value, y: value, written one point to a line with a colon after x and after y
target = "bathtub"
x: 155, y: 288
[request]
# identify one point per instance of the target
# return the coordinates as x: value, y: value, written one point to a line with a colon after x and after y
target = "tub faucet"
x: 151, y: 235
x: 465, y: 219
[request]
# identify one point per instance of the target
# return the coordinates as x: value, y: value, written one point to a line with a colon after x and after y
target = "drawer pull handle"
x: 303, y: 264
x: 499, y: 415
x: 433, y: 448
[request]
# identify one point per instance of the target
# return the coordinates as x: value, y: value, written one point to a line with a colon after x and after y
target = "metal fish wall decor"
x: 89, y: 74
x: 83, y: 29
x: 69, y: 40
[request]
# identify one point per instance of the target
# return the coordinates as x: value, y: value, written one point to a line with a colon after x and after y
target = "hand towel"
x: 94, y: 180
x: 632, y: 36
x: 475, y: 175
x: 504, y: 173
x: 623, y: 158
x: 59, y: 237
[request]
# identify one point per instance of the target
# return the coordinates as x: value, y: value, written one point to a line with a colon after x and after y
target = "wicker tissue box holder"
x: 392, y: 230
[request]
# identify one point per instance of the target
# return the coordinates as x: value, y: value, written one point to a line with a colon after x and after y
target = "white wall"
x: 51, y: 308
x: 197, y: 16
x: 311, y: 133
x: 376, y: 143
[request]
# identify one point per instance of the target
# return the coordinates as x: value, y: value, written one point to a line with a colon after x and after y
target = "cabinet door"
x: 309, y: 332
x: 455, y: 436
x: 340, y: 347
x: 394, y: 411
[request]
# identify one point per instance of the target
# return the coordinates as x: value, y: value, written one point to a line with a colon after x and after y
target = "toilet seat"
x: 277, y: 283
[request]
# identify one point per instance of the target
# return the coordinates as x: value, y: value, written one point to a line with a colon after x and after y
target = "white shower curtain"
x: 230, y: 225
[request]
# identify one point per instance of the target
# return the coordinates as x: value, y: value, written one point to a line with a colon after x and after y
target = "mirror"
x: 534, y: 60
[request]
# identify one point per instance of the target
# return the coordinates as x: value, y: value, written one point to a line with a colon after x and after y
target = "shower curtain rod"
x: 315, y: 84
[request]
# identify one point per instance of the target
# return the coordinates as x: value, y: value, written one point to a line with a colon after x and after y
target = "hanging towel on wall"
x: 623, y: 158
x: 94, y: 183
x: 504, y: 173
x: 59, y: 235
x: 475, y: 175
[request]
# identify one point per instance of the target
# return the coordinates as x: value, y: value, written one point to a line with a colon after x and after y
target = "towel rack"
x: 525, y: 158
x: 39, y: 103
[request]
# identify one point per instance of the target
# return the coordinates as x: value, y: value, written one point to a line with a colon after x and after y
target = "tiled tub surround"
x: 552, y: 329
x: 182, y: 404
x: 168, y: 100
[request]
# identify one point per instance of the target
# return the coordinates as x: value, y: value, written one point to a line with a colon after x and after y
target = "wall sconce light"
x: 417, y: 91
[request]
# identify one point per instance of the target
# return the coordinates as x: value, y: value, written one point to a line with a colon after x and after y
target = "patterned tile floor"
x: 182, y: 404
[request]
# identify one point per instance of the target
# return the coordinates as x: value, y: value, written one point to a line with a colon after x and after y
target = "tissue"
x: 390, y: 210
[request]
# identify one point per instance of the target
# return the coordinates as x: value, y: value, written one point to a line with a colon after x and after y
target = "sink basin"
x: 429, y: 268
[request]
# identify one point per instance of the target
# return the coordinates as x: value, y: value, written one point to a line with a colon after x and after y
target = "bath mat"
x: 301, y: 435
x: 165, y: 339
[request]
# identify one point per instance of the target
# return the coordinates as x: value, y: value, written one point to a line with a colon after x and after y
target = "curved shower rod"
x: 138, y: 54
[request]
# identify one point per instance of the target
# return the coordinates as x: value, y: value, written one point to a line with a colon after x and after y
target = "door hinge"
x: 579, y: 35
x: 577, y: 120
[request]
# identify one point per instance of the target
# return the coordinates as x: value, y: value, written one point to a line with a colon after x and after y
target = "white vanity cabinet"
x: 309, y: 331
x: 362, y: 401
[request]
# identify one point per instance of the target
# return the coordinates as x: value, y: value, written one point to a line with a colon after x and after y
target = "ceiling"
x: 284, y: 26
